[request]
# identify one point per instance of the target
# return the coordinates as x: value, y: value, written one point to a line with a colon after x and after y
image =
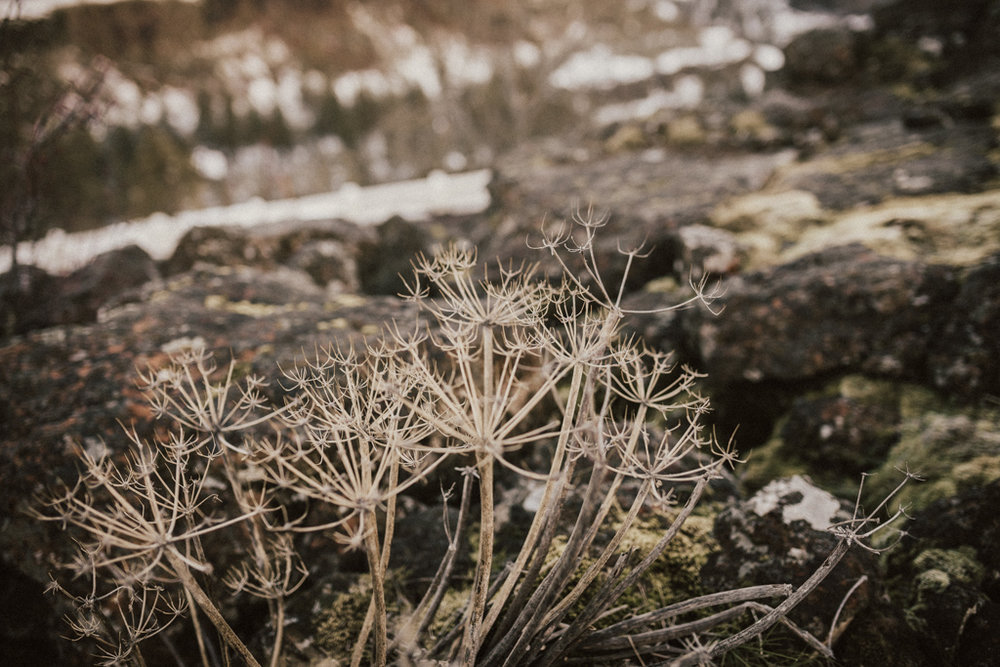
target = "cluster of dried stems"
x: 469, y: 385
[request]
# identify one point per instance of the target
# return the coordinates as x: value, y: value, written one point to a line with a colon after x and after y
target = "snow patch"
x: 688, y: 92
x: 418, y: 199
x: 599, y: 67
x: 210, y: 163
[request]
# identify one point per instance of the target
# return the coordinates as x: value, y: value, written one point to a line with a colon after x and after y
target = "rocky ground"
x: 852, y: 217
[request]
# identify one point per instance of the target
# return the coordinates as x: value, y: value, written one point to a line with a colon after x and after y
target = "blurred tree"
x: 38, y: 112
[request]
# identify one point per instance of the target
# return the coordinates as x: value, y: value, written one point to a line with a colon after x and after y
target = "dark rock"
x: 879, y: 635
x: 39, y: 300
x: 848, y: 435
x: 966, y: 356
x: 962, y: 36
x: 382, y: 262
x: 328, y: 262
x: 106, y: 276
x: 29, y: 626
x: 840, y: 309
x: 779, y: 536
x: 947, y: 577
x: 822, y: 56
x: 224, y: 246
x: 968, y: 519
x: 640, y: 192
x: 873, y: 161
x: 703, y: 251
x: 323, y: 249
x: 24, y: 297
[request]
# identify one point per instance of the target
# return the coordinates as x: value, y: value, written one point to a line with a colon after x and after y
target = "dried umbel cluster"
x: 494, y: 366
x: 142, y: 521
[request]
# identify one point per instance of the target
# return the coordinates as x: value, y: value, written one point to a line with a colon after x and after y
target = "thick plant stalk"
x: 371, y: 616
x: 378, y: 566
x: 484, y: 466
x: 481, y: 584
x: 547, y: 506
x: 378, y: 592
x: 230, y: 637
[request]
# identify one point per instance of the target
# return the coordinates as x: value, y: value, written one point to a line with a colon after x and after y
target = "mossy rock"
x: 953, y: 447
x: 338, y: 626
x: 954, y: 450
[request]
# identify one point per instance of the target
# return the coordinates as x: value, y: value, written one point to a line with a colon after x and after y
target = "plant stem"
x: 782, y: 609
x: 225, y: 630
x: 547, y: 510
x: 481, y: 584
x: 378, y: 590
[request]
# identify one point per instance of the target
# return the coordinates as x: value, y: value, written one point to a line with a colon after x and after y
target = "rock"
x: 947, y: 576
x: 328, y: 263
x: 848, y: 435
x: 628, y: 137
x: 857, y: 424
x: 961, y: 36
x: 966, y: 356
x: 955, y: 448
x: 955, y: 229
x: 701, y: 250
x: 822, y: 56
x: 24, y: 297
x: 27, y: 620
x: 880, y: 635
x: 765, y: 223
x: 223, y: 246
x: 109, y: 275
x: 324, y: 249
x: 685, y: 130
x: 383, y: 261
x: 845, y: 308
x: 875, y: 160
x: 40, y: 300
x: 751, y: 127
x: 779, y: 536
x: 641, y: 191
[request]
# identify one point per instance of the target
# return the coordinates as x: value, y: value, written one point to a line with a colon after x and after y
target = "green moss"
x: 958, y: 565
x: 934, y: 581
x: 938, y: 572
x: 771, y: 461
x: 777, y: 459
x: 339, y: 625
x: 675, y: 576
x: 452, y: 603
x: 954, y: 450
x: 954, y: 447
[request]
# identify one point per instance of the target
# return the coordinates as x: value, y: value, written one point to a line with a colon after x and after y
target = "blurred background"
x: 115, y: 110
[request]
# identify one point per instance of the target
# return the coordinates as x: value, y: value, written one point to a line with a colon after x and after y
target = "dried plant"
x: 143, y: 519
x: 494, y: 366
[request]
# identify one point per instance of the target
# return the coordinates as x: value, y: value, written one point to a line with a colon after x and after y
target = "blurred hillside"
x: 214, y: 102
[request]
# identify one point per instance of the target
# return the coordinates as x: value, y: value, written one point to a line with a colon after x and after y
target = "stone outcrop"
x: 853, y: 225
